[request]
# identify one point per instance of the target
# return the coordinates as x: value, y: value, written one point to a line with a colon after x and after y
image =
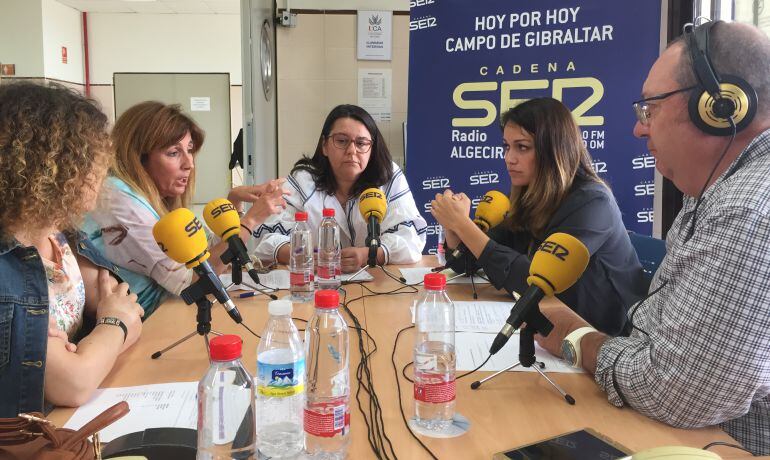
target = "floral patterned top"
x: 66, y: 291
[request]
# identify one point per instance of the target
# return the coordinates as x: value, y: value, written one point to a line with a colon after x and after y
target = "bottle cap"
x: 225, y: 347
x: 279, y: 307
x: 327, y: 298
x: 300, y: 216
x: 328, y: 212
x: 435, y: 281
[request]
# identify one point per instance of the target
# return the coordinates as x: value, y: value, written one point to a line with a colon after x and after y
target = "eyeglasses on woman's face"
x: 342, y: 141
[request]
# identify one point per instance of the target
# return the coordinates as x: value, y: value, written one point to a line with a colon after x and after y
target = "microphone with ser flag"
x: 373, y: 206
x: 556, y: 265
x: 180, y: 235
x: 223, y: 219
x: 491, y: 211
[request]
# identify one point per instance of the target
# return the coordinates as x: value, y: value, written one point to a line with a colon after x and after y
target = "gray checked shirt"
x: 699, y: 354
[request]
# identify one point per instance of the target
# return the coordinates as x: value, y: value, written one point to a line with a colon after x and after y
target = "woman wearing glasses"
x: 350, y: 157
x: 553, y: 189
x: 154, y: 173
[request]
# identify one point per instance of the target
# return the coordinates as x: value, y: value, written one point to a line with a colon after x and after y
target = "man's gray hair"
x: 735, y: 49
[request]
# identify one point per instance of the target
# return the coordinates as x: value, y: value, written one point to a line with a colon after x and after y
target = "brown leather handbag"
x: 30, y: 436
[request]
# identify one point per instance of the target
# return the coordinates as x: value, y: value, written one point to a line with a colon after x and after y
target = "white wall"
x: 62, y: 26
x: 387, y: 5
x: 163, y: 43
x: 21, y: 36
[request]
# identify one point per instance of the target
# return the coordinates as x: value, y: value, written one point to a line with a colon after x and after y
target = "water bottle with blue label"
x: 280, y: 385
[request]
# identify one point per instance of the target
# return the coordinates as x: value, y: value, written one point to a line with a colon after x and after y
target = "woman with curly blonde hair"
x: 154, y: 173
x: 54, y: 155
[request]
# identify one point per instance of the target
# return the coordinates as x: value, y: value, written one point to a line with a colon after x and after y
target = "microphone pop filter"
x: 558, y: 263
x: 222, y: 218
x: 180, y: 235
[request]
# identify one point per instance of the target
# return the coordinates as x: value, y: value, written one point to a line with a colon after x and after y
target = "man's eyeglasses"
x: 642, y: 109
x: 342, y: 142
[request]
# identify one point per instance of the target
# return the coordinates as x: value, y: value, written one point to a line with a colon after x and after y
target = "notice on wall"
x: 374, y: 92
x: 200, y: 104
x: 375, y: 35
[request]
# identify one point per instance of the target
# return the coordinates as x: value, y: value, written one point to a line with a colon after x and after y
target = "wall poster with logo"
x: 470, y: 61
x: 375, y: 35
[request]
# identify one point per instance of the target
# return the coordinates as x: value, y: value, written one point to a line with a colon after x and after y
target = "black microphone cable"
x: 372, y: 415
x: 400, y: 402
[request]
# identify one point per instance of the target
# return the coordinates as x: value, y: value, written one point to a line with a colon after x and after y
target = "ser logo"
x: 559, y: 251
x: 485, y: 178
x: 646, y: 189
x: 643, y: 162
x: 475, y: 202
x: 599, y: 166
x: 221, y: 209
x: 376, y: 195
x: 432, y: 229
x: 193, y: 227
x: 433, y: 183
x: 422, y: 23
x: 427, y: 207
x: 645, y: 216
x: 416, y: 3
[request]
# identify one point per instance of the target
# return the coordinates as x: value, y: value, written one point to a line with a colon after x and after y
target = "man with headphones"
x: 699, y: 351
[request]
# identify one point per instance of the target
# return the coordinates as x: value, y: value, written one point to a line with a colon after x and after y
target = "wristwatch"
x: 570, y: 346
x: 112, y: 321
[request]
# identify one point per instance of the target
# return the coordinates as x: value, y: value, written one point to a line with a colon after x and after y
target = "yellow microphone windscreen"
x: 372, y: 202
x: 491, y: 210
x: 222, y: 218
x: 180, y: 235
x: 558, y: 263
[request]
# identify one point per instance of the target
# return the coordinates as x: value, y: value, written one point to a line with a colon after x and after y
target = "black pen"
x: 247, y: 294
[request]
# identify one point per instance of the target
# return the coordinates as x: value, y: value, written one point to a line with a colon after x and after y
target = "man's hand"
x: 564, y: 321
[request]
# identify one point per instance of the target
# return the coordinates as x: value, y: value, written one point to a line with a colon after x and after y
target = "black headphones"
x: 723, y: 96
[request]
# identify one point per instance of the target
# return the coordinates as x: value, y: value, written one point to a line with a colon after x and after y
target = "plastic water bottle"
x: 434, y: 356
x: 280, y: 384
x: 327, y: 406
x: 329, y: 264
x: 226, y: 404
x: 440, y: 253
x: 301, y: 260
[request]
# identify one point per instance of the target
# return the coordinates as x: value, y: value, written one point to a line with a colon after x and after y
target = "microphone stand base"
x: 390, y: 274
x: 527, y: 359
x: 203, y: 329
x: 158, y: 354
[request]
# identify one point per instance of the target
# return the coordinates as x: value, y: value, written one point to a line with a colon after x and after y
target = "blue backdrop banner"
x: 469, y: 61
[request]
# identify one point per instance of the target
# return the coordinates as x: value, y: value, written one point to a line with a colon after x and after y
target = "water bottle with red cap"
x: 434, y: 356
x: 301, y: 260
x: 329, y: 252
x: 327, y: 405
x: 226, y: 423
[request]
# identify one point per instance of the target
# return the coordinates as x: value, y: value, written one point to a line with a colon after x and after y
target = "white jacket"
x: 403, y: 228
